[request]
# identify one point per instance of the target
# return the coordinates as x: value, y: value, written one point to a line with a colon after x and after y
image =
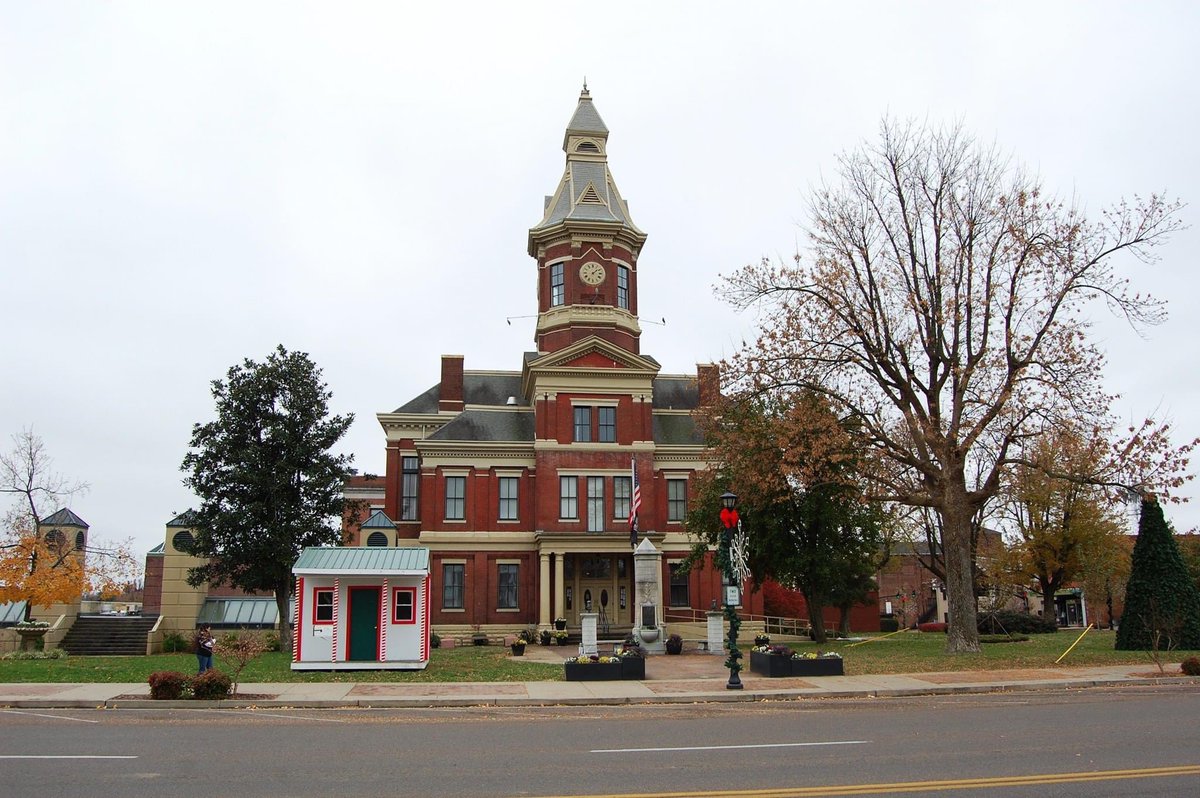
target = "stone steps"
x: 106, y: 635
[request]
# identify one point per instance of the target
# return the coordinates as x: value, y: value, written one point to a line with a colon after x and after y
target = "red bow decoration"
x: 729, y: 517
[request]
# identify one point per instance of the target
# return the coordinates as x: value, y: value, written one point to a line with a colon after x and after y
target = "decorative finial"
x: 585, y: 84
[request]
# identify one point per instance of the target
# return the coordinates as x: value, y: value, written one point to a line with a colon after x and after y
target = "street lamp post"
x: 729, y: 519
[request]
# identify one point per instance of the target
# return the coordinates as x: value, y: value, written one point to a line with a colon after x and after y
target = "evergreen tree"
x: 1160, y: 598
x: 268, y: 484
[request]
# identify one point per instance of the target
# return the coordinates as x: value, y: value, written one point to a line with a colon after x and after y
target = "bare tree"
x: 39, y: 567
x: 943, y: 307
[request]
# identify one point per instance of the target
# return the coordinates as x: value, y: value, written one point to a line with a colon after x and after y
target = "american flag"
x: 635, y: 504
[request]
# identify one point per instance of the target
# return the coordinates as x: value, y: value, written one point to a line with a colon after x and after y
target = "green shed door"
x: 364, y: 625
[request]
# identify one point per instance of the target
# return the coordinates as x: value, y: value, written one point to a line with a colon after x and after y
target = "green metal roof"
x: 378, y: 520
x: 362, y: 560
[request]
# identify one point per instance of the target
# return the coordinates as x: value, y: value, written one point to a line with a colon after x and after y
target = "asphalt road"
x: 1132, y: 742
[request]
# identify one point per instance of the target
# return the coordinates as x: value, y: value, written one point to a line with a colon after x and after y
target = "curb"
x: 750, y: 696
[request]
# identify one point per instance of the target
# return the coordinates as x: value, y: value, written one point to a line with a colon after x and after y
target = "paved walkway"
x: 683, y: 679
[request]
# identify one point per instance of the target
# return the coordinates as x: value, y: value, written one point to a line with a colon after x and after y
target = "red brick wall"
x: 152, y: 592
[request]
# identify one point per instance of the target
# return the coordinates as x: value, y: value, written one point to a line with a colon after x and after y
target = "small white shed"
x: 361, y: 609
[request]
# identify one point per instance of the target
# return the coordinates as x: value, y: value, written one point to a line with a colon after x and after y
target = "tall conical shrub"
x: 1159, y: 596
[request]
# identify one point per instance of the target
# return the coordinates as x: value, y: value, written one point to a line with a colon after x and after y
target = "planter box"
x: 774, y: 667
x: 633, y: 668
x: 769, y: 665
x: 593, y: 671
x: 825, y: 666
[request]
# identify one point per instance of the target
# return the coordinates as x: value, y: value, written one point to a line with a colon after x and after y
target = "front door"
x: 601, y: 586
x: 363, y: 634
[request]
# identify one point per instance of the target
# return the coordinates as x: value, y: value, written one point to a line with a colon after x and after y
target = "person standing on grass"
x: 204, y: 647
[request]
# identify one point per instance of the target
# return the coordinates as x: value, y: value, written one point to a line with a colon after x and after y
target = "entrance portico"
x: 585, y: 573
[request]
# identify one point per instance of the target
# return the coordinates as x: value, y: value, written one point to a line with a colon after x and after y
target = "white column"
x: 560, y: 593
x: 544, y: 618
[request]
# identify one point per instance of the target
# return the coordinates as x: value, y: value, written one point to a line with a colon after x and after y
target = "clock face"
x: 591, y: 273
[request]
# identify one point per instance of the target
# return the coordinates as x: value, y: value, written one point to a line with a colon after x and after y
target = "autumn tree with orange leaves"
x: 800, y: 497
x: 39, y: 565
x: 942, y: 304
x: 1063, y: 525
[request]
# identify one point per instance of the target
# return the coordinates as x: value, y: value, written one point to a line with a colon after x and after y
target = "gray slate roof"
x: 586, y: 118
x: 488, y: 425
x: 354, y: 560
x: 567, y: 202
x: 676, y: 430
x: 64, y: 517
x: 478, y: 389
x: 676, y: 393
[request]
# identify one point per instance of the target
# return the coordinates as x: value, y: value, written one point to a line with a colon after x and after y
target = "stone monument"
x: 647, y: 574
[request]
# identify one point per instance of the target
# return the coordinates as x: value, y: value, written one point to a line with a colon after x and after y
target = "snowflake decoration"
x: 738, y: 550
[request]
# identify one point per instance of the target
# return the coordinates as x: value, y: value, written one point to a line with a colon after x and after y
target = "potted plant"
x: 544, y: 637
x: 560, y: 624
x: 674, y: 644
x: 592, y: 668
x: 762, y: 639
x: 518, y: 645
x: 560, y: 637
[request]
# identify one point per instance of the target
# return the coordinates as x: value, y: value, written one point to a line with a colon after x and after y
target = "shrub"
x: 1003, y: 622
x: 271, y: 641
x: 239, y: 650
x: 435, y: 640
x: 167, y: 685
x: 931, y: 627
x: 889, y: 625
x: 210, y: 685
x: 1190, y: 666
x: 173, y: 643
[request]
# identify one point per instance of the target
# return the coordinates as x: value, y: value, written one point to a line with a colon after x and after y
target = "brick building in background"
x: 520, y: 482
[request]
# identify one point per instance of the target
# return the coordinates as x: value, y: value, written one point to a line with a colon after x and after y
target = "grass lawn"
x: 907, y: 652
x: 917, y: 652
x: 461, y: 664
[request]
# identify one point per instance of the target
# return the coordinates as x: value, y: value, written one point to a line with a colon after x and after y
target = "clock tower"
x: 586, y: 246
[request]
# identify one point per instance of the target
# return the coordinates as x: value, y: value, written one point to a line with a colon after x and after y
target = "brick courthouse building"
x: 520, y: 482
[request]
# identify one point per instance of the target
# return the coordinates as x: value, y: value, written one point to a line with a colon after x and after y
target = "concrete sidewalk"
x: 684, y: 679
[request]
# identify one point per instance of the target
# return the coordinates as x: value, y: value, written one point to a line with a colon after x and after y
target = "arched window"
x: 377, y: 539
x: 183, y: 541
x: 80, y: 540
x: 56, y: 539
x: 587, y: 146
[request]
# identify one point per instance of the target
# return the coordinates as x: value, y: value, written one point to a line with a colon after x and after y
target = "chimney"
x: 708, y: 379
x: 450, y: 396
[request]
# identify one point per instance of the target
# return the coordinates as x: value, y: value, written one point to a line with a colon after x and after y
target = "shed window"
x: 323, y: 605
x: 404, y: 605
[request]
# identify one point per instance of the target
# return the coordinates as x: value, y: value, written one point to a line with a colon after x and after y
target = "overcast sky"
x: 182, y: 187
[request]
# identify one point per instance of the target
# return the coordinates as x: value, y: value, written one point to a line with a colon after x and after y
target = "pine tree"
x: 1160, y: 599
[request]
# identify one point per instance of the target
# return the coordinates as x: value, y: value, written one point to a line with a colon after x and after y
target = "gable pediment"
x: 593, y: 352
